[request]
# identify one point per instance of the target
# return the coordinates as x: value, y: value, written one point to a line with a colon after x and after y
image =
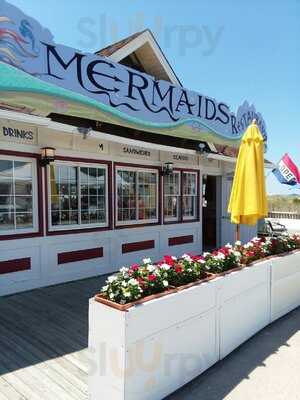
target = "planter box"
x: 285, y: 284
x: 155, y: 347
x: 152, y: 349
x: 244, y: 305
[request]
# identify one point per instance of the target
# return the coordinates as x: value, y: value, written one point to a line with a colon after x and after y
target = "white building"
x: 113, y: 191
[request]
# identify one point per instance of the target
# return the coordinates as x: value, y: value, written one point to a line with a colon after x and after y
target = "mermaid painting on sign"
x: 12, y: 43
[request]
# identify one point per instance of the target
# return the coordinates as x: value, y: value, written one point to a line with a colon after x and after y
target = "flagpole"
x: 275, y: 166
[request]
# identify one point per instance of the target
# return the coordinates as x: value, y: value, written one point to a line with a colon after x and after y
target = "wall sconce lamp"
x: 201, y: 148
x: 47, y: 155
x: 167, y: 169
x: 206, y: 148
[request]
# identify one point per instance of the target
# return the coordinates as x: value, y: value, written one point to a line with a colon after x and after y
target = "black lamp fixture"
x: 47, y: 155
x: 201, y: 148
x: 84, y: 131
x: 167, y: 168
x: 204, y: 148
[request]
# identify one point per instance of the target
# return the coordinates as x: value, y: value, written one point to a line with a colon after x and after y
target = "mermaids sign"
x: 135, y: 98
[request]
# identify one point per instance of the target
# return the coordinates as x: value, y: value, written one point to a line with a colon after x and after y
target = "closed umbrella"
x: 248, y: 199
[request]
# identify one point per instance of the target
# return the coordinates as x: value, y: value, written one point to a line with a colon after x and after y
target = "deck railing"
x: 284, y: 214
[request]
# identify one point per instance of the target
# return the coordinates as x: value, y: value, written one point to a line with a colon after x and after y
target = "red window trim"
x: 109, y: 197
x: 143, y: 166
x: 180, y: 219
x: 39, y: 187
x: 111, y: 168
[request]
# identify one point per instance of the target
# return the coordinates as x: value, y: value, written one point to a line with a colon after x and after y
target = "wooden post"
x: 238, y: 232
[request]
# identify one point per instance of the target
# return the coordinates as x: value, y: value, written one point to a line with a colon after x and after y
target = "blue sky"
x: 230, y: 50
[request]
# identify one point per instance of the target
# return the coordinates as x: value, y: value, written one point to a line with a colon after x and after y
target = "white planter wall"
x: 158, y: 346
x: 244, y: 305
x: 285, y: 284
x: 154, y: 348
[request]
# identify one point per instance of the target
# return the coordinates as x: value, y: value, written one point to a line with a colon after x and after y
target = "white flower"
x: 147, y: 261
x: 220, y: 256
x: 237, y: 254
x: 174, y: 258
x: 165, y: 266
x: 127, y: 294
x: 124, y: 270
x: 133, y: 282
x: 151, y: 268
x: 105, y: 288
x: 112, y: 279
x: 186, y: 257
x: 111, y: 296
x: 165, y: 283
x: 228, y: 246
x: 238, y: 243
x: 124, y: 284
x: 206, y: 254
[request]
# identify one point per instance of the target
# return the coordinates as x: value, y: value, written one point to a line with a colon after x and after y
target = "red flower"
x: 135, y: 267
x: 141, y: 282
x: 152, y: 277
x: 178, y: 269
x: 224, y: 250
x: 197, y: 258
x: 169, y: 260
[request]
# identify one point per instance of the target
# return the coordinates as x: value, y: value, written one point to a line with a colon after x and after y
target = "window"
x: 181, y: 196
x: 172, y: 197
x: 137, y: 196
x: 78, y: 195
x: 189, y: 193
x: 17, y: 195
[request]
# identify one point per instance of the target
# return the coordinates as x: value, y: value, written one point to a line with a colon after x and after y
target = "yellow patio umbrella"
x: 248, y: 199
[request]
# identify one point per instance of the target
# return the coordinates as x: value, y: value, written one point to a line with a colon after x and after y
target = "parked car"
x: 267, y: 227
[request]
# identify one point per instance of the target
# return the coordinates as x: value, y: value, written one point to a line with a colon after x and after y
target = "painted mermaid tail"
x: 12, y: 50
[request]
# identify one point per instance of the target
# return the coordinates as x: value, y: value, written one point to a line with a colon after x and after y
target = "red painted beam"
x: 79, y: 255
x: 16, y: 265
x: 137, y: 246
x: 173, y: 241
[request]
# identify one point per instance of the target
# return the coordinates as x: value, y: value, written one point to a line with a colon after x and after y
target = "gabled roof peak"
x: 141, y: 51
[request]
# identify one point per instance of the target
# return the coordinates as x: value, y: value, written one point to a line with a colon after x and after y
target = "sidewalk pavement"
x: 267, y: 367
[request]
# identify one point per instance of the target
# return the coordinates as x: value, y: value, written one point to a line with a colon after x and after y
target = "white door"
x: 227, y: 228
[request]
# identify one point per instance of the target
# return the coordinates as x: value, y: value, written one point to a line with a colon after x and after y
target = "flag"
x: 287, y: 172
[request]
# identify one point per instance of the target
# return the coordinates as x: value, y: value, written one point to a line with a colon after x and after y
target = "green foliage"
x: 284, y: 203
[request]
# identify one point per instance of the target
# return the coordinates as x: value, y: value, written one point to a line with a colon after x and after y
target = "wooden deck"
x: 43, y: 342
x: 43, y: 352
